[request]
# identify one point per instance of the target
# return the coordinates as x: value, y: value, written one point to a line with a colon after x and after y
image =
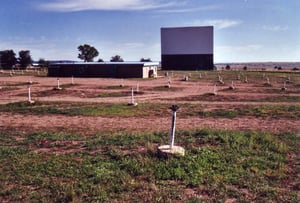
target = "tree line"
x: 9, y: 60
x: 87, y: 53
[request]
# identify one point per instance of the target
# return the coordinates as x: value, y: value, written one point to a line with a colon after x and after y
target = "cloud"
x: 218, y: 23
x: 244, y: 48
x: 81, y: 5
x: 188, y: 10
x: 40, y: 47
x: 275, y: 28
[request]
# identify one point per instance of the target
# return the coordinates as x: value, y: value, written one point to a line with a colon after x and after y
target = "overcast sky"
x: 244, y: 30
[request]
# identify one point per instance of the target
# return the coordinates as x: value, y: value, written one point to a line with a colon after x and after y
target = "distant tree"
x: 145, y: 60
x: 245, y: 68
x: 43, y: 63
x: 100, y: 60
x: 8, y: 59
x: 87, y: 52
x: 24, y: 59
x: 295, y: 68
x: 227, y: 67
x: 116, y: 58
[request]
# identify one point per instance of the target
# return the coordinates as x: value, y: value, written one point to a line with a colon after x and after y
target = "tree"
x: 116, y: 58
x: 43, y: 63
x: 24, y: 59
x: 227, y: 67
x: 145, y: 60
x: 87, y: 52
x: 8, y: 59
x: 100, y: 60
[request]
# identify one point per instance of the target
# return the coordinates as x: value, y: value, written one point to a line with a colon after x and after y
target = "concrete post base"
x: 132, y: 104
x: 166, y: 150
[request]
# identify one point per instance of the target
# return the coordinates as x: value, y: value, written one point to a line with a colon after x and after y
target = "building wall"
x: 187, y: 48
x: 105, y: 70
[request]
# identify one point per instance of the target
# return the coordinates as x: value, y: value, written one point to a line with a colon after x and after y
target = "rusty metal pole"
x: 174, y: 108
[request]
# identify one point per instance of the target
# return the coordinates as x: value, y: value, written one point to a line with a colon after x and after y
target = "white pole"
x: 29, y: 93
x: 58, y: 83
x: 132, y: 96
x: 173, y: 129
x: 72, y: 80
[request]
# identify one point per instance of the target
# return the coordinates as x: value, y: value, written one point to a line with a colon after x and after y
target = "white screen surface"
x: 187, y: 40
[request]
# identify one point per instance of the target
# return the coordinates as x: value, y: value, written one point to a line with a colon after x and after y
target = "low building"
x: 104, y: 69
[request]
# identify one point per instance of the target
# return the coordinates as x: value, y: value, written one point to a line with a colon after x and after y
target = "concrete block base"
x: 166, y: 150
x: 132, y: 104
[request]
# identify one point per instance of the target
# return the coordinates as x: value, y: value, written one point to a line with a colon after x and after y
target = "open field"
x: 83, y: 143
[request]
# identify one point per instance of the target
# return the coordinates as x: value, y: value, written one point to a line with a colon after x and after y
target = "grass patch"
x: 150, y: 110
x: 219, y: 165
x: 120, y: 94
x: 67, y: 85
x: 166, y: 88
x: 116, y: 87
x: 274, y: 111
x: 233, y: 98
x: 8, y: 88
x: 72, y: 109
x: 115, y: 94
x: 20, y: 84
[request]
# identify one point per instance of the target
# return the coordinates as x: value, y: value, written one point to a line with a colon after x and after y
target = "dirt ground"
x: 13, y: 89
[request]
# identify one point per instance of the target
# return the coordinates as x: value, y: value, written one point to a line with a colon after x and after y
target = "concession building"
x: 104, y: 69
x: 187, y: 48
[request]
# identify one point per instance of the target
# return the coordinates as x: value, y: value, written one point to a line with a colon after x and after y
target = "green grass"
x: 116, y: 87
x: 68, y: 85
x: 150, y: 109
x: 20, y: 84
x: 166, y: 88
x: 274, y: 111
x: 228, y: 76
x: 232, y: 98
x: 115, y: 94
x: 126, y: 168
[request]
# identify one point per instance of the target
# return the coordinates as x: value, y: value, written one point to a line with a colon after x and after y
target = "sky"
x: 244, y: 30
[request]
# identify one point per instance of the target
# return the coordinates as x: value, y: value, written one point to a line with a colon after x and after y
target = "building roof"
x: 108, y: 63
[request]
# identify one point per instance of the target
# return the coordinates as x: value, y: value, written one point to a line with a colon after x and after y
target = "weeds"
x: 218, y: 165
